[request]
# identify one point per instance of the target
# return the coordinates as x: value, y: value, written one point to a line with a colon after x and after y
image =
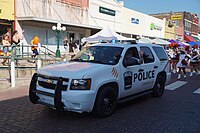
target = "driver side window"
x: 131, y: 53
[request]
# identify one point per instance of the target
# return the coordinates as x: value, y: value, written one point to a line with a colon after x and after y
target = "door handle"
x: 155, y: 67
x: 140, y: 70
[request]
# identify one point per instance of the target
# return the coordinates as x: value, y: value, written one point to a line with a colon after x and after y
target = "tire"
x: 106, y: 101
x: 159, y: 86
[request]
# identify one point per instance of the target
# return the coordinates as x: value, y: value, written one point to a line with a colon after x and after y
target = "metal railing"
x: 46, y: 56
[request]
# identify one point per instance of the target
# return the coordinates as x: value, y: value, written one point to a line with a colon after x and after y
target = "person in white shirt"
x: 182, y: 64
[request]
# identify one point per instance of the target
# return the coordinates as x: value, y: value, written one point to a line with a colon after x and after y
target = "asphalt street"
x: 177, y: 111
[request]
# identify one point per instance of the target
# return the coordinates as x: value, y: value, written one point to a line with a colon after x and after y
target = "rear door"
x: 149, y: 68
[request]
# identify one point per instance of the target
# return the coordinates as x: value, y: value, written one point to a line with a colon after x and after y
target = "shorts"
x: 175, y: 59
x: 35, y: 52
x: 5, y: 49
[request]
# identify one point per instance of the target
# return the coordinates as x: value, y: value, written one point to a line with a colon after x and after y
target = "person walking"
x: 6, y: 44
x: 194, y: 62
x: 174, y: 59
x: 182, y: 63
x: 66, y: 44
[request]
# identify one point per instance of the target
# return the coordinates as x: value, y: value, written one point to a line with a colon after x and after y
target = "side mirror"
x: 130, y: 61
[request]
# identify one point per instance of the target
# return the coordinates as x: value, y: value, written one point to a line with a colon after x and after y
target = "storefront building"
x: 186, y: 24
x: 37, y: 17
x: 86, y: 17
x: 7, y: 16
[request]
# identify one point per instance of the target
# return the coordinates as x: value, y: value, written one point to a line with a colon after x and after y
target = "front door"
x: 130, y: 85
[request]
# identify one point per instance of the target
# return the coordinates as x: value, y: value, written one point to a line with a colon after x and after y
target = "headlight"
x: 80, y: 84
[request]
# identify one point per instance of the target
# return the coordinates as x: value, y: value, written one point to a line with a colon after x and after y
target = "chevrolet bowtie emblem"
x: 49, y: 81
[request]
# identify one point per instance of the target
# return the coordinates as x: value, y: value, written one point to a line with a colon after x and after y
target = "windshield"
x: 99, y: 54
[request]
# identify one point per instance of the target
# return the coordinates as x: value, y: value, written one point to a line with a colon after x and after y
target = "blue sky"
x: 158, y: 6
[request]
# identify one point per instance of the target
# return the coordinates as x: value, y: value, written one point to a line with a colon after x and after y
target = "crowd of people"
x: 10, y: 44
x: 183, y: 58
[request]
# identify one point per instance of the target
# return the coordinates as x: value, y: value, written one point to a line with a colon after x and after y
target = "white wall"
x: 143, y: 27
x: 158, y: 22
x: 102, y: 20
x: 131, y: 28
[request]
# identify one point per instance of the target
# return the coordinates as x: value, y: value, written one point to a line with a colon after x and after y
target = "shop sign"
x: 7, y: 9
x: 134, y: 20
x: 154, y: 26
x: 171, y: 24
x: 176, y: 17
x: 107, y: 11
x: 187, y: 33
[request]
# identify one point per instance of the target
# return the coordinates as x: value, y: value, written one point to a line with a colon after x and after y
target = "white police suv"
x: 100, y: 76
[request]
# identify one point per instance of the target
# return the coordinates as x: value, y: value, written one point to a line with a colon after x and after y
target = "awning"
x: 106, y: 34
x: 196, y: 38
x: 194, y: 43
x: 145, y: 40
x: 160, y: 41
x: 188, y: 38
x: 57, y: 21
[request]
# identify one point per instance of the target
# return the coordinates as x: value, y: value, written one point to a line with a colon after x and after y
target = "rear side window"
x: 146, y: 54
x: 160, y: 52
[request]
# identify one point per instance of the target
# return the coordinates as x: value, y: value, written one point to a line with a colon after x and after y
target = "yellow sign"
x: 176, y: 17
x: 7, y: 9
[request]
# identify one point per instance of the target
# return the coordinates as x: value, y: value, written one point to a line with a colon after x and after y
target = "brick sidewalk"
x: 15, y: 92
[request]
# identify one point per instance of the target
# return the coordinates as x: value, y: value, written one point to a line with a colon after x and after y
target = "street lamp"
x: 58, y: 29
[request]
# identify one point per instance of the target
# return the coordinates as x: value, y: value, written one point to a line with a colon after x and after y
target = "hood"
x: 70, y: 69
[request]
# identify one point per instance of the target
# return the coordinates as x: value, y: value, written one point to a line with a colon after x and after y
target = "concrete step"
x: 19, y: 73
x: 5, y: 84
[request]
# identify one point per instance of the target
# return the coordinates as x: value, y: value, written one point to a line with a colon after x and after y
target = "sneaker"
x: 179, y: 76
x: 184, y: 76
x: 191, y: 74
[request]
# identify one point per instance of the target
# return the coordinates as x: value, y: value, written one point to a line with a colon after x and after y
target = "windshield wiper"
x: 97, y: 61
x: 76, y: 59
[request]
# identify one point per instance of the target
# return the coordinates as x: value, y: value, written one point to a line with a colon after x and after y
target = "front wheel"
x: 159, y: 86
x: 106, y: 102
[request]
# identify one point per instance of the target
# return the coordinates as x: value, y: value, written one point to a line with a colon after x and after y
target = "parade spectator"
x: 6, y: 44
x: 34, y: 46
x: 66, y: 44
x: 71, y: 48
x: 8, y: 33
x: 16, y: 42
x: 75, y: 46
x: 182, y: 63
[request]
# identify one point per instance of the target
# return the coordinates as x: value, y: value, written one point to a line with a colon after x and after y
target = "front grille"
x: 50, y: 82
x: 51, y: 86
